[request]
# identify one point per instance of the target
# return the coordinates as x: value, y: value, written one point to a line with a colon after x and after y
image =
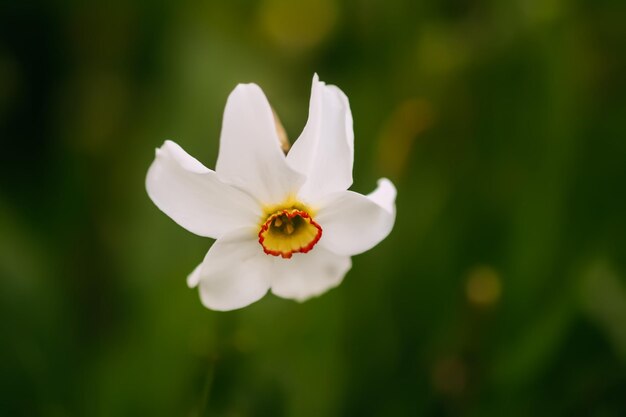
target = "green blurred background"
x: 500, y: 292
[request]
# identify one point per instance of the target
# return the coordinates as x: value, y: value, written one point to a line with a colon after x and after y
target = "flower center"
x: 289, y: 231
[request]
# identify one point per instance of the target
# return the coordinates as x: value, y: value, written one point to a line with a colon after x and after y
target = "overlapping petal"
x: 308, y: 275
x: 250, y: 155
x: 324, y: 152
x: 234, y: 272
x: 354, y: 223
x: 193, y: 195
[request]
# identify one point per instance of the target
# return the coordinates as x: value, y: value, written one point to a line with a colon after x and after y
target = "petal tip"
x: 193, y: 279
x: 169, y: 147
x: 215, y: 304
x: 316, y: 81
x: 246, y: 87
x: 385, y: 195
x: 387, y: 184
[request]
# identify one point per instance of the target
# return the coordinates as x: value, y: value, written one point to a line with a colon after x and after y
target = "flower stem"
x: 206, y: 390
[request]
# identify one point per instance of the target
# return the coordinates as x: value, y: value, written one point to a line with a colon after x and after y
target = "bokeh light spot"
x: 298, y: 25
x: 407, y: 121
x: 483, y: 287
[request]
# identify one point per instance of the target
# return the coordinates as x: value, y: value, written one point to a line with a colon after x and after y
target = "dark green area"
x: 500, y: 292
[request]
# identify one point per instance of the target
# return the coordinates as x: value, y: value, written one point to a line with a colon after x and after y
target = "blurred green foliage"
x: 501, y: 291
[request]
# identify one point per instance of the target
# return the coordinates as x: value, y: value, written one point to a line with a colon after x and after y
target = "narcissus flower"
x: 282, y: 222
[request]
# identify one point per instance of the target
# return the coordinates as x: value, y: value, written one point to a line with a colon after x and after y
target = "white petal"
x: 307, y: 275
x: 353, y: 223
x: 324, y: 152
x: 193, y: 195
x: 250, y: 155
x: 194, y: 278
x: 235, y: 272
x: 384, y: 195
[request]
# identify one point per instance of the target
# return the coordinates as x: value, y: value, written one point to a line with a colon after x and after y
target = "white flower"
x: 285, y: 223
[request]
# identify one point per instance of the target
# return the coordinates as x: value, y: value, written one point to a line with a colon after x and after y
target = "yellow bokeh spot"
x: 483, y: 287
x: 408, y: 121
x: 296, y: 25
